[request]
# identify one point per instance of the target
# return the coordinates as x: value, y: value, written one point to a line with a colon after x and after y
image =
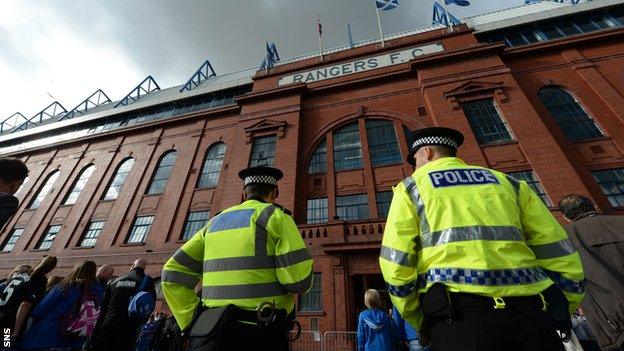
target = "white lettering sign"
x: 363, y: 65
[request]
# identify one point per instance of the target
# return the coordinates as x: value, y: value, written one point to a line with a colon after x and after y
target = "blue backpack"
x: 142, y: 303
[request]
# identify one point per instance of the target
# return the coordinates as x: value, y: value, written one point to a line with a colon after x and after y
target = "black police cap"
x: 260, y: 175
x: 448, y: 137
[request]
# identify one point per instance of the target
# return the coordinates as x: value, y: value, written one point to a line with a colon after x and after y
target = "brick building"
x: 537, y: 90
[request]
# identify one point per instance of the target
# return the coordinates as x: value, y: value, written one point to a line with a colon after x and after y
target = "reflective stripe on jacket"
x: 477, y: 231
x: 246, y: 255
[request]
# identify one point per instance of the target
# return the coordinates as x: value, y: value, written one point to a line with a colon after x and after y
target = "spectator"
x: 146, y: 336
x: 583, y: 332
x: 12, y: 175
x: 406, y: 334
x: 52, y: 281
x: 27, y: 294
x: 17, y: 270
x: 58, y: 309
x: 599, y: 240
x: 115, y: 330
x: 103, y: 276
x: 375, y: 329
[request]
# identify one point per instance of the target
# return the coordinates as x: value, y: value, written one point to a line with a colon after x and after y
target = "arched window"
x: 382, y: 143
x: 118, y: 180
x: 211, y: 170
x: 318, y: 162
x: 570, y: 116
x: 44, y: 190
x: 347, y: 148
x: 163, y: 171
x: 79, y: 185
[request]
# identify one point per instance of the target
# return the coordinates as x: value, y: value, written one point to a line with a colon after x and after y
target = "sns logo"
x: 6, y: 341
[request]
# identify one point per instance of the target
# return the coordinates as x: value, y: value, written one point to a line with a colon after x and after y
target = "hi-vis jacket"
x: 246, y: 255
x: 477, y: 231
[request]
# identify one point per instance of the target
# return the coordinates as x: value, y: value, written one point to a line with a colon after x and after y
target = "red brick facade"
x: 425, y: 91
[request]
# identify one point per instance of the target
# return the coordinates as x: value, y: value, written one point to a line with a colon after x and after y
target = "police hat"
x: 448, y: 137
x: 260, y: 175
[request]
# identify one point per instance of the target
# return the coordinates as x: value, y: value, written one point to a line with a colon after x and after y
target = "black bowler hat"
x: 260, y: 175
x: 448, y: 137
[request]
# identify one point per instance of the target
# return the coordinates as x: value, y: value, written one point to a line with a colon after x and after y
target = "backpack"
x: 142, y: 303
x: 80, y: 320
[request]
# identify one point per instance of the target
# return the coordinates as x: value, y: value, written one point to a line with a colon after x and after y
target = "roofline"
x: 540, y: 16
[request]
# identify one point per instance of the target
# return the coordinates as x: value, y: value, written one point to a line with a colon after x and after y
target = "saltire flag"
x: 319, y: 26
x: 385, y: 5
x: 457, y: 2
x: 270, y: 58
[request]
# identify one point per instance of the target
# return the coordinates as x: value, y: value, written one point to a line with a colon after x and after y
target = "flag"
x: 385, y: 5
x: 270, y: 59
x: 457, y: 2
x: 319, y: 26
x: 349, y: 37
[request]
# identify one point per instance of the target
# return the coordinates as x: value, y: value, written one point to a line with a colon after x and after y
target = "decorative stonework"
x: 266, y: 125
x: 474, y: 90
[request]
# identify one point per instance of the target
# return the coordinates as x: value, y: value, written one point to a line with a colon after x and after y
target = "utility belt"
x: 212, y: 327
x: 439, y: 305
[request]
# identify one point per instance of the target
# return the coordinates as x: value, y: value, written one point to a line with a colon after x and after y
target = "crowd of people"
x: 89, y: 309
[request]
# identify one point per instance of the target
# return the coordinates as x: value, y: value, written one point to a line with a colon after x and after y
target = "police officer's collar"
x: 256, y: 198
x: 441, y: 161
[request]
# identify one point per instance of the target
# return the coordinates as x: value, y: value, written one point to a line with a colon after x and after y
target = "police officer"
x: 251, y: 256
x: 472, y: 257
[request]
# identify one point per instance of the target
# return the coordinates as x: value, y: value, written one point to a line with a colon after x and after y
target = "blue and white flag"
x: 457, y: 2
x: 385, y: 5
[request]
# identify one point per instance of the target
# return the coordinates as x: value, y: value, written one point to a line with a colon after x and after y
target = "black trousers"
x: 242, y: 336
x: 483, y: 328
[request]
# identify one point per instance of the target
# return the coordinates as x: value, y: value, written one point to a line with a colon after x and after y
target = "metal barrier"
x: 308, y: 341
x: 339, y: 341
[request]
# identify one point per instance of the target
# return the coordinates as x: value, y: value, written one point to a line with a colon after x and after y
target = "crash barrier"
x: 328, y: 341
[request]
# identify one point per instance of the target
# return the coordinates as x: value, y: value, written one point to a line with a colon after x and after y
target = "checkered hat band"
x: 264, y: 179
x: 434, y: 141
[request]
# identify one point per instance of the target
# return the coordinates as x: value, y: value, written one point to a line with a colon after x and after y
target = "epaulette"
x: 286, y: 211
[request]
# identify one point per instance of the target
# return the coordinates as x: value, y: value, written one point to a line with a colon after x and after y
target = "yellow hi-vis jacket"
x: 246, y: 255
x: 477, y: 231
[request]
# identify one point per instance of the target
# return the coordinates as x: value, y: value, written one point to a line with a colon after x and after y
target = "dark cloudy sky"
x: 67, y: 49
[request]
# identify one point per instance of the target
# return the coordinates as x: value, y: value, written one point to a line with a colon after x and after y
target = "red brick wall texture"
x: 426, y: 91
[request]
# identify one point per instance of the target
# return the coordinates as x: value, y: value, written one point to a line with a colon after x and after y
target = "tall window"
x: 91, y: 235
x: 317, y: 211
x: 611, y: 182
x: 352, y: 207
x: 118, y: 180
x: 79, y: 185
x: 45, y: 189
x: 347, y: 148
x: 263, y: 151
x: 485, y: 121
x: 570, y: 116
x: 194, y: 222
x: 311, y: 301
x: 383, y: 143
x: 139, y: 230
x: 165, y: 166
x: 534, y: 183
x: 383, y: 203
x: 9, y: 244
x: 211, y: 170
x: 318, y: 163
x: 49, y: 236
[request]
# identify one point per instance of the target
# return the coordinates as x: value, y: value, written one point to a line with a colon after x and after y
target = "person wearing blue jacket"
x: 375, y: 329
x: 45, y: 332
x: 406, y: 333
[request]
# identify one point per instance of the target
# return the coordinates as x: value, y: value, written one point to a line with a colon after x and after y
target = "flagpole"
x: 319, y: 31
x: 383, y: 44
x: 448, y: 18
